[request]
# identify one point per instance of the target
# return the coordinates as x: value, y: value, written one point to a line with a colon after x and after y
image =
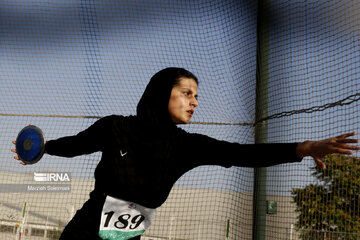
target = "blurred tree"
x: 329, y: 209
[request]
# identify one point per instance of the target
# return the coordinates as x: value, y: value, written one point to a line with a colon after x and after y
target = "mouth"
x: 190, y: 112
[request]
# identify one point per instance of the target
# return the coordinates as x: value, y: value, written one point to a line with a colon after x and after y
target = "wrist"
x: 302, y: 149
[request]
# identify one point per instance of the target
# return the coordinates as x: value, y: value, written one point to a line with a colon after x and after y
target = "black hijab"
x: 153, y: 105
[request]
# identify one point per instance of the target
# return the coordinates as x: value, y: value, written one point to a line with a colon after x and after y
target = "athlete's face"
x: 183, y: 101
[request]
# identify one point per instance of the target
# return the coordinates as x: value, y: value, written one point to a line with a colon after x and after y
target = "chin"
x: 186, y: 121
x: 181, y: 119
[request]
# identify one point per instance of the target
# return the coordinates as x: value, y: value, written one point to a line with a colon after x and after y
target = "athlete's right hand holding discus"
x: 29, y: 145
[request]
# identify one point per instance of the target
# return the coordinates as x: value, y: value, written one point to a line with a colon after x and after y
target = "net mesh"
x: 313, y: 59
x: 64, y: 64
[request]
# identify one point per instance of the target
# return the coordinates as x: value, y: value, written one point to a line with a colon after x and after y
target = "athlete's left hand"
x: 319, y: 149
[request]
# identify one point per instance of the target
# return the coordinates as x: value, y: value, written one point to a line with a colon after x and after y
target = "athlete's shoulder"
x: 115, y: 117
x: 111, y: 120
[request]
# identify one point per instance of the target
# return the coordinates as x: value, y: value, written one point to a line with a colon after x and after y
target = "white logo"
x: 51, y: 177
x: 122, y: 154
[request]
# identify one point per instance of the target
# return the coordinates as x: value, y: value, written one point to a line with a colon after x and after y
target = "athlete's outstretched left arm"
x: 209, y: 151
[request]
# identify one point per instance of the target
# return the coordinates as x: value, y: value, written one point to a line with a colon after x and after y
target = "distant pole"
x: 227, y: 228
x: 21, y: 227
x: 261, y: 129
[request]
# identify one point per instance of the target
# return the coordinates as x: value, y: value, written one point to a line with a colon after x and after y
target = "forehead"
x: 187, y: 83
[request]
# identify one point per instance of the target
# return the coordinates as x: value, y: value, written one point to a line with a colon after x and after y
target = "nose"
x: 194, y: 102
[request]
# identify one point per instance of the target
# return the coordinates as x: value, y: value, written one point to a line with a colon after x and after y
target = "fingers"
x: 346, y: 135
x: 346, y: 140
x: 320, y: 163
x: 346, y: 146
x: 341, y: 146
x: 14, y: 150
x: 16, y: 157
x: 343, y: 151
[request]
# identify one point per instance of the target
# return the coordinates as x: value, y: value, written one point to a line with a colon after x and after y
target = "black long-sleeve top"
x: 141, y: 162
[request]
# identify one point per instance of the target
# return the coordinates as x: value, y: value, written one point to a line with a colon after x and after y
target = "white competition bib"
x: 123, y: 220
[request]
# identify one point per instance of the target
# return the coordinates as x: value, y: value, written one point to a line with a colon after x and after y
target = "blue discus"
x: 30, y: 145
